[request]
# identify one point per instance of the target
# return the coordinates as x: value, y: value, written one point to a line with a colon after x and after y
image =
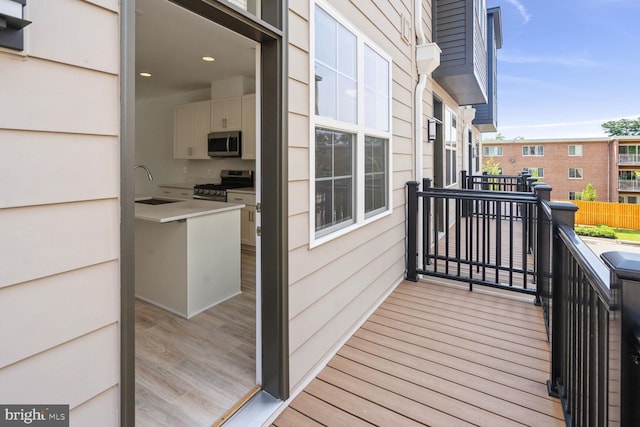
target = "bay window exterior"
x: 351, y: 127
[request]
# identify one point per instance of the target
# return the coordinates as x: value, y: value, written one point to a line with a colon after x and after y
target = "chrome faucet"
x: 145, y: 168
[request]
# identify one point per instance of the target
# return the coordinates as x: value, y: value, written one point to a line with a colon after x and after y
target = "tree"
x: 499, y: 137
x: 622, y: 127
x: 491, y: 167
x: 589, y: 194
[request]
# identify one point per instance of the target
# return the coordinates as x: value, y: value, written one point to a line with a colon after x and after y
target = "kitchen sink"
x: 154, y: 201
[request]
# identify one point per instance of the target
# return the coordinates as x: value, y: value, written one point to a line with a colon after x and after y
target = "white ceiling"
x: 170, y: 44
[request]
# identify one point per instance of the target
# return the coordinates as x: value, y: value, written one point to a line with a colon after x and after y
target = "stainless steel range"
x: 229, y: 179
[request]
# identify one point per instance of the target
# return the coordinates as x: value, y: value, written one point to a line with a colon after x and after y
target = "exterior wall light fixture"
x: 12, y: 23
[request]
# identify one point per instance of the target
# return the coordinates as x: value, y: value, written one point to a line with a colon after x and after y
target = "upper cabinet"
x: 192, y: 123
x: 249, y: 127
x: 226, y: 114
x: 459, y: 29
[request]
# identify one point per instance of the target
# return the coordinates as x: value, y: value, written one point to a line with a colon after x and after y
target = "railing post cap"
x: 541, y: 186
x: 626, y: 265
x: 531, y: 179
x: 412, y: 183
x: 563, y: 206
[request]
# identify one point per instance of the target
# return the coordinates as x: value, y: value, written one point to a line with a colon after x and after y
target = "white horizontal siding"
x: 56, y: 29
x: 48, y: 96
x: 43, y: 168
x: 68, y: 374
x: 44, y: 240
x: 57, y: 309
x: 101, y: 411
x: 59, y: 211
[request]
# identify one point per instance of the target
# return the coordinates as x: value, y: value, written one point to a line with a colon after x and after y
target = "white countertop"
x: 181, y: 209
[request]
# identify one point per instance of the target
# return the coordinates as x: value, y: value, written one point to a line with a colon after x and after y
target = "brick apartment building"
x: 610, y: 165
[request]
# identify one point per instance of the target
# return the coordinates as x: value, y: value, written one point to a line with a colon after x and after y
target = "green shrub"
x: 599, y: 231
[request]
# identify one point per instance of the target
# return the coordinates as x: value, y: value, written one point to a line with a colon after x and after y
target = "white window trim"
x: 360, y: 130
x: 575, y: 155
x: 533, y: 155
x: 453, y: 147
x: 496, y: 147
x: 575, y: 177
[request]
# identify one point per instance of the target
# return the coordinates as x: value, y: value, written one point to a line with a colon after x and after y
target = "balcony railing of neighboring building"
x: 629, y: 159
x: 628, y: 184
x: 521, y: 241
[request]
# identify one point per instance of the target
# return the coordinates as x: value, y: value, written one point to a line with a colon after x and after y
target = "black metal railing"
x: 592, y: 312
x: 486, y: 182
x: 478, y: 237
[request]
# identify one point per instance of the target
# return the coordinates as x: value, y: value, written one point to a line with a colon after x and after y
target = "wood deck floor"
x: 437, y: 355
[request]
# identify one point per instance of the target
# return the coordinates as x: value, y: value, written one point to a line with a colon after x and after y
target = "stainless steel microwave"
x: 224, y: 144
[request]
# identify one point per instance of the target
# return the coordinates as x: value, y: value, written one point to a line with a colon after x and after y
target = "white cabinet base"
x: 190, y: 265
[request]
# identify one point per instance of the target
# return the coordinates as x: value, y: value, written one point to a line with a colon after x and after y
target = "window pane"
x: 347, y: 99
x: 326, y: 92
x: 375, y: 196
x: 324, y: 153
x: 376, y: 83
x: 346, y: 52
x: 326, y: 39
x: 334, y: 178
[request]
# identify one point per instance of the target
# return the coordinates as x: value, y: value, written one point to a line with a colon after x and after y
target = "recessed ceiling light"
x: 208, y: 58
x: 145, y: 74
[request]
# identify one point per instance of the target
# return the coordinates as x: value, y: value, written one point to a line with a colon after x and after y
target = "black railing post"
x: 524, y: 186
x: 485, y: 181
x: 625, y: 284
x: 529, y: 182
x: 427, y: 223
x: 561, y: 213
x: 463, y: 178
x: 412, y: 231
x: 539, y: 242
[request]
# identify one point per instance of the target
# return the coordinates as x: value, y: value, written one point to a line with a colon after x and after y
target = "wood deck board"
x: 418, y: 355
x: 464, y: 326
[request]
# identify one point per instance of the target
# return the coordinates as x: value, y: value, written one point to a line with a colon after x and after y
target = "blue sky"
x: 567, y: 66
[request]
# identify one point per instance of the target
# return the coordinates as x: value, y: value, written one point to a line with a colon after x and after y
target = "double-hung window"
x: 533, y: 150
x: 534, y: 172
x: 491, y: 151
x: 450, y: 148
x: 351, y: 122
x: 575, y: 150
x: 575, y: 173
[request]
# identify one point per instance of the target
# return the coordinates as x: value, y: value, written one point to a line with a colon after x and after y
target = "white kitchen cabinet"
x: 249, y: 127
x: 192, y: 123
x: 189, y: 265
x: 176, y: 193
x: 226, y: 114
x: 247, y: 215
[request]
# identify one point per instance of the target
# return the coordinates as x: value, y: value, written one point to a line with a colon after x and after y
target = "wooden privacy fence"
x: 616, y: 215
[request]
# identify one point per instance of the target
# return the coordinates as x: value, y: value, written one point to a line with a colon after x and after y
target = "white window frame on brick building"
x: 575, y: 150
x: 492, y: 151
x: 532, y: 150
x: 575, y: 173
x: 534, y: 172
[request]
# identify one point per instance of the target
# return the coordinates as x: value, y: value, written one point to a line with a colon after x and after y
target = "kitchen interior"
x: 197, y: 130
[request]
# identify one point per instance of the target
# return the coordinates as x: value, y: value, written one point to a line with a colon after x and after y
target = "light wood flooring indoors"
x: 436, y: 354
x: 190, y: 372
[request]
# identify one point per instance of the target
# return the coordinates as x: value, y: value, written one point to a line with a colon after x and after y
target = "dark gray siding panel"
x: 463, y: 68
x: 486, y: 119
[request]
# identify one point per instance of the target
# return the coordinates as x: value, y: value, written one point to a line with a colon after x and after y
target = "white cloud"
x: 521, y: 9
x: 566, y: 60
x: 577, y: 129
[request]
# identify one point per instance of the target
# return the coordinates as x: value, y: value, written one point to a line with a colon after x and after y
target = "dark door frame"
x: 270, y: 32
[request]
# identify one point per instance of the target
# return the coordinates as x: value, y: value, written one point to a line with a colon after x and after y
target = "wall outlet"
x: 184, y: 169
